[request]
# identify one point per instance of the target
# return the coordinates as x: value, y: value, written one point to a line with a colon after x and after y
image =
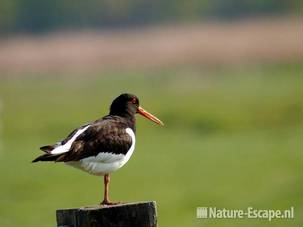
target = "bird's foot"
x: 109, y: 203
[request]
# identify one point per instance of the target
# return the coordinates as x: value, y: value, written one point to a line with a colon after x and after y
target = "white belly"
x: 97, y: 168
x: 105, y: 163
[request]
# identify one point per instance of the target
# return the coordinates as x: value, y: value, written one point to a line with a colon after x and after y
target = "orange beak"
x: 149, y: 116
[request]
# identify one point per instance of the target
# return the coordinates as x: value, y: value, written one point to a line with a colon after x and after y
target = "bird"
x: 104, y: 145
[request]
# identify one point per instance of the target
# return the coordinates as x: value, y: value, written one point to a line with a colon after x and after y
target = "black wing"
x: 48, y: 148
x: 107, y: 135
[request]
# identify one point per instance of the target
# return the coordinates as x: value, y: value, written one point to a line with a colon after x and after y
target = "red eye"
x: 134, y: 100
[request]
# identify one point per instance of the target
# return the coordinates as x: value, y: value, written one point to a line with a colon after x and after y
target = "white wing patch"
x: 65, y: 148
x: 130, y: 132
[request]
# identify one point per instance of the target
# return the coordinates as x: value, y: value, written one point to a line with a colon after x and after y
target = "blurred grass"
x: 233, y: 139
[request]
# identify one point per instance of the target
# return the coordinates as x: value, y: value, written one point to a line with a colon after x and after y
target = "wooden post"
x: 142, y: 214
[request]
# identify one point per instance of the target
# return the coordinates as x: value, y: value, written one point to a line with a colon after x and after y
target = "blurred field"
x: 211, y: 44
x: 233, y: 138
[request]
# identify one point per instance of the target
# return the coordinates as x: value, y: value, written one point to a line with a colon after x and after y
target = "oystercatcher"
x: 103, y: 146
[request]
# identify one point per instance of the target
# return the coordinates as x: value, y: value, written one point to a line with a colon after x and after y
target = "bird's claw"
x: 109, y: 203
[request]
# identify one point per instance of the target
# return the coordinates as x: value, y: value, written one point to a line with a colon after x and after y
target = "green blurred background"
x: 224, y: 76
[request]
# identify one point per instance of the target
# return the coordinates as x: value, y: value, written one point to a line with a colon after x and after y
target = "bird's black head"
x: 125, y: 105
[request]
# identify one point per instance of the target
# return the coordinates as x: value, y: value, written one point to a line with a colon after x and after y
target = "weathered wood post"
x: 142, y: 214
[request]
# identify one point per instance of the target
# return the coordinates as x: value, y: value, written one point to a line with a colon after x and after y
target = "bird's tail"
x: 47, y: 149
x: 46, y: 158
